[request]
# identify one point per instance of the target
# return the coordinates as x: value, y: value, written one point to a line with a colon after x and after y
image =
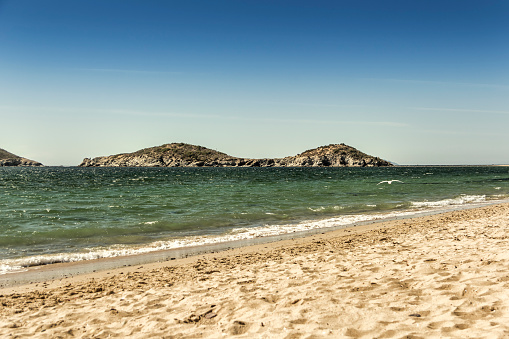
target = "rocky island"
x: 9, y: 159
x: 186, y: 155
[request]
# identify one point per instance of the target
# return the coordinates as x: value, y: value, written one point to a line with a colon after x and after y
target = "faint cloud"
x: 468, y: 134
x: 431, y: 82
x: 457, y: 110
x: 128, y: 71
x: 159, y: 114
x: 241, y: 118
x: 338, y: 122
x: 162, y: 114
x: 310, y: 104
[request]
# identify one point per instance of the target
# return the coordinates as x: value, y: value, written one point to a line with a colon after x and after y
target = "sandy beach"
x: 444, y: 275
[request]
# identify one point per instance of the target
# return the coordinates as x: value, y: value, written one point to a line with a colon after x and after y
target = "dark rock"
x: 9, y: 159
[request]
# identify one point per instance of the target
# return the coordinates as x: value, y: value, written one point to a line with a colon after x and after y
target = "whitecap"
x: 461, y: 200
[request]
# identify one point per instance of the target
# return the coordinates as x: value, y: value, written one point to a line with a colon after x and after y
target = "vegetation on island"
x: 338, y: 149
x: 10, y: 159
x: 7, y: 155
x: 184, y: 152
x: 186, y: 155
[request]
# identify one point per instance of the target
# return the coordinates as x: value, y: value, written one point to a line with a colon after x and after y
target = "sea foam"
x: 460, y: 200
x: 236, y: 234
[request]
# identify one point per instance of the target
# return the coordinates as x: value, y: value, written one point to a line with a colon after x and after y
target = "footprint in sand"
x: 238, y: 327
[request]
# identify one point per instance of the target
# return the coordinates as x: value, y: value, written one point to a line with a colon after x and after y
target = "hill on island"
x: 9, y: 159
x: 186, y: 155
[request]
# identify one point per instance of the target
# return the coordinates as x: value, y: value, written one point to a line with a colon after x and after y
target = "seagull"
x: 390, y: 181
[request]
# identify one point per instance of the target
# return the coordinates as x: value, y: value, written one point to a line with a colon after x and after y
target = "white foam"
x: 323, y: 208
x: 461, y: 200
x: 6, y: 268
x: 241, y: 233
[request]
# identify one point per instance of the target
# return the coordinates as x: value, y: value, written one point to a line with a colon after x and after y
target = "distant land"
x: 9, y: 159
x: 186, y: 155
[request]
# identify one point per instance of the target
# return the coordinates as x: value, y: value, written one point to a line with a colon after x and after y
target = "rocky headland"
x: 186, y: 155
x: 9, y: 159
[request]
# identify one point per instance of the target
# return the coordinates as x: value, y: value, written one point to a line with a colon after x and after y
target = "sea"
x: 69, y: 214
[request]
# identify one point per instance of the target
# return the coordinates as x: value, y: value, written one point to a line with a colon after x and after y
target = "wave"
x: 240, y: 233
x: 460, y: 200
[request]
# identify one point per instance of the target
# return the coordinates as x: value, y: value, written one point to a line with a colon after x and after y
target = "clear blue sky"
x: 415, y: 82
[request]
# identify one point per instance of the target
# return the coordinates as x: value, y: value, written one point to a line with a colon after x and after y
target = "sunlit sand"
x: 436, y: 276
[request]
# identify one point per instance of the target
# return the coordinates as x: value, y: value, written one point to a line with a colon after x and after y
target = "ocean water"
x: 51, y: 214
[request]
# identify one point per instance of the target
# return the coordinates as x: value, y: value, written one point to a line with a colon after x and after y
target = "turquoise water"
x: 66, y: 214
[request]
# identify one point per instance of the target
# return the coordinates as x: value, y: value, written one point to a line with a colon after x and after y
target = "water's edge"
x: 56, y: 271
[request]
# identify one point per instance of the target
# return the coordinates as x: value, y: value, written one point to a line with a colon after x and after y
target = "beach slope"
x: 444, y: 275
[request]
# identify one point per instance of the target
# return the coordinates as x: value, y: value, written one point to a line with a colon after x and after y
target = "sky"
x: 413, y: 82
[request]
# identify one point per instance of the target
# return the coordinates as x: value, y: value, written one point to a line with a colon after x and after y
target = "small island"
x: 9, y: 159
x: 186, y: 155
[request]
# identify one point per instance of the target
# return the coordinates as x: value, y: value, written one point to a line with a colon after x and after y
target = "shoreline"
x: 56, y: 271
x: 60, y: 273
x: 441, y: 275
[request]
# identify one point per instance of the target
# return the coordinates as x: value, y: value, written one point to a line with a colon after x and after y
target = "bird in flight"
x: 390, y: 181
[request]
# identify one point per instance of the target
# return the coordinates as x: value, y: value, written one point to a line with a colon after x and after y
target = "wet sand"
x: 444, y: 275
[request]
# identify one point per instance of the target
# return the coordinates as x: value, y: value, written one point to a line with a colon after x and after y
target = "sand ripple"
x: 430, y: 277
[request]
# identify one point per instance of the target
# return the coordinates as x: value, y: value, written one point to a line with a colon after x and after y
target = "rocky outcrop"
x: 9, y: 159
x: 185, y: 155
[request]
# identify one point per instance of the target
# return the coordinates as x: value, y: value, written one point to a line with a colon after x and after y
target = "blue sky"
x: 414, y: 82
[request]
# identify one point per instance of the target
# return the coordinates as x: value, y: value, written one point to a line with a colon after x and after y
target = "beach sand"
x: 436, y: 276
